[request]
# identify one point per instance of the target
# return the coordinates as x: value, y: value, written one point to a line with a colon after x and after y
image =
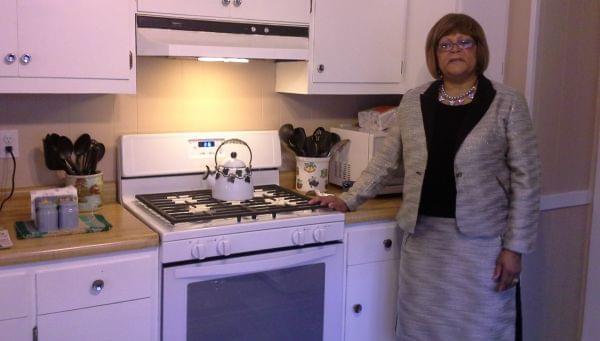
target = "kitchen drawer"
x: 120, y: 321
x: 16, y: 295
x: 92, y: 283
x: 372, y: 242
x: 20, y: 329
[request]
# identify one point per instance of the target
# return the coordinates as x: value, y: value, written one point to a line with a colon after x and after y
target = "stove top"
x: 199, y: 206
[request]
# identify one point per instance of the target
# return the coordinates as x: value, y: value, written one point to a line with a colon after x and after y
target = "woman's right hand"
x: 330, y: 201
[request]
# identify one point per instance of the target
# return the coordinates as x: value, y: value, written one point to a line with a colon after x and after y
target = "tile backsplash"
x: 173, y: 95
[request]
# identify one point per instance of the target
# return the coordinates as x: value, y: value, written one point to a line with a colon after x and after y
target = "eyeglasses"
x: 447, y: 45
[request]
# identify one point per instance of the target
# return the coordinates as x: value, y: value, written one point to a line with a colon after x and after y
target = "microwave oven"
x: 348, y: 162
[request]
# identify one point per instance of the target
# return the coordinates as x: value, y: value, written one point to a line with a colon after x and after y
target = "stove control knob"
x: 298, y: 237
x: 319, y: 235
x: 224, y: 247
x: 199, y: 251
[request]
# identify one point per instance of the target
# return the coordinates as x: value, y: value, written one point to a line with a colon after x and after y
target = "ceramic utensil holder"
x: 312, y: 173
x: 89, y: 190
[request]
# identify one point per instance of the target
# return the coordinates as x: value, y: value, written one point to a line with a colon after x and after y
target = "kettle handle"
x: 234, y: 141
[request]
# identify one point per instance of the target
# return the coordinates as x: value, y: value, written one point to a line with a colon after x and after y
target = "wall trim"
x: 565, y: 199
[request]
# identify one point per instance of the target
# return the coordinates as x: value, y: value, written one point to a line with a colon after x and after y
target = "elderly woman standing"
x: 471, y: 192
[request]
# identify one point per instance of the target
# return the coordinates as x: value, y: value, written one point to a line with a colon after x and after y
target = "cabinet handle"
x: 10, y: 58
x: 321, y: 68
x: 97, y: 286
x: 225, y: 2
x: 237, y: 3
x: 130, y: 60
x: 387, y: 243
x: 26, y: 58
x: 357, y: 308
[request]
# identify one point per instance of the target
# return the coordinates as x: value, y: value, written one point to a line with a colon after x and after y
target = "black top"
x: 446, y: 127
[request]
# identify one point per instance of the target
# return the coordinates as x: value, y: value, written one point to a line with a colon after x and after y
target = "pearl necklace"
x: 456, y: 100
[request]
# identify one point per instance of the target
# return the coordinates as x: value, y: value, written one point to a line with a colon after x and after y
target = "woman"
x: 471, y: 192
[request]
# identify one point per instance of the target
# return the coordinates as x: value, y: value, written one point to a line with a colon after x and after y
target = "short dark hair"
x: 456, y: 23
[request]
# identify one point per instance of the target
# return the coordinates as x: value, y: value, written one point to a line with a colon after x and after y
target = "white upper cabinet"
x: 68, y: 46
x: 379, y: 47
x: 288, y: 11
x: 356, y: 48
x: 354, y: 43
x: 493, y: 17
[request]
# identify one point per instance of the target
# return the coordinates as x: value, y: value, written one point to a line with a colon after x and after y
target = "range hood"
x: 173, y: 37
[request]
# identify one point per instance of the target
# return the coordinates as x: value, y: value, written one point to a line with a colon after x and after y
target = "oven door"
x: 286, y: 295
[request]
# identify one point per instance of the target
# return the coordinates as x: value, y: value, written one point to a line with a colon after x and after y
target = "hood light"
x: 226, y: 60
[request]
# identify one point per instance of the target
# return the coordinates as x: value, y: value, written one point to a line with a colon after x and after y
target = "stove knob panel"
x: 319, y: 235
x: 224, y: 247
x: 298, y: 237
x: 199, y: 251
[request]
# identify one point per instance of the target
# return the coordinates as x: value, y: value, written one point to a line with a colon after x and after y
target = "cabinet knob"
x: 387, y: 243
x: 25, y: 59
x: 237, y: 3
x: 357, y: 308
x: 97, y: 286
x: 321, y: 68
x: 10, y: 58
x: 225, y: 2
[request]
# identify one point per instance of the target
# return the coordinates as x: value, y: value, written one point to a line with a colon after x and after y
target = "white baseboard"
x: 565, y: 199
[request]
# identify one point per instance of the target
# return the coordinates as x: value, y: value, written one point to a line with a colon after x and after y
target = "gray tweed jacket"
x: 496, y: 169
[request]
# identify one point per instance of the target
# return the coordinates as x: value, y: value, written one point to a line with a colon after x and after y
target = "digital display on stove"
x: 206, y: 144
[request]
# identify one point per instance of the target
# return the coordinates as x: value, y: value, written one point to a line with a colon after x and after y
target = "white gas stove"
x: 275, y: 234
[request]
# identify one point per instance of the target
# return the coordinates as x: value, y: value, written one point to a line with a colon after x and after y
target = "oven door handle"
x: 240, y: 268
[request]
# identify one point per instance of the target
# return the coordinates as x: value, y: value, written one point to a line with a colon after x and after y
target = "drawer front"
x: 95, y: 283
x: 121, y: 321
x: 20, y: 329
x: 373, y: 242
x: 16, y: 294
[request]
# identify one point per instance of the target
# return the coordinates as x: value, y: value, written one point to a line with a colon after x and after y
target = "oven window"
x: 285, y: 304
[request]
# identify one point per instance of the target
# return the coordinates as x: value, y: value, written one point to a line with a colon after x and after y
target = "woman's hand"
x: 508, y: 269
x: 330, y: 201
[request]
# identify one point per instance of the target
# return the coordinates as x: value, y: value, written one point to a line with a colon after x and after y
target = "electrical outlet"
x: 9, y: 138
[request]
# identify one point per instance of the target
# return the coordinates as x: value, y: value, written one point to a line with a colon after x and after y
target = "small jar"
x: 46, y: 215
x: 68, y: 214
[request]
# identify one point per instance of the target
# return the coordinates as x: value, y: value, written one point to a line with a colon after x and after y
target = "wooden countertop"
x: 127, y: 233
x: 379, y: 208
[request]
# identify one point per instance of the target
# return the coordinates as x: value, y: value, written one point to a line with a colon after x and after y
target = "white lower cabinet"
x: 373, y: 252
x: 120, y: 321
x: 103, y: 297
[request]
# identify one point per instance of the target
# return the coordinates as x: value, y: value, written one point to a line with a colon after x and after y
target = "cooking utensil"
x: 285, y: 132
x: 98, y: 154
x: 65, y: 149
x: 51, y: 157
x: 297, y: 141
x: 324, y: 144
x: 318, y: 133
x: 310, y: 147
x: 81, y: 147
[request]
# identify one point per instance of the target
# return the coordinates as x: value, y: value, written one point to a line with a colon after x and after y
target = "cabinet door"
x: 16, y: 329
x: 8, y: 37
x: 75, y: 39
x: 357, y: 41
x: 493, y: 17
x: 296, y: 11
x: 371, y: 292
x: 422, y: 15
x: 203, y: 8
x: 122, y: 321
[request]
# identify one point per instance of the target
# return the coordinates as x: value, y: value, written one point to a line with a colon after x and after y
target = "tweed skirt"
x: 446, y: 291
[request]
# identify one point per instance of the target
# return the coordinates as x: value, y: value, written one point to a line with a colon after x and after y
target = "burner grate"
x: 197, y: 206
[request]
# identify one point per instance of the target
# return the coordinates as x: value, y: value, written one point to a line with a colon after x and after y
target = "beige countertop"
x: 127, y: 233
x: 378, y: 208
